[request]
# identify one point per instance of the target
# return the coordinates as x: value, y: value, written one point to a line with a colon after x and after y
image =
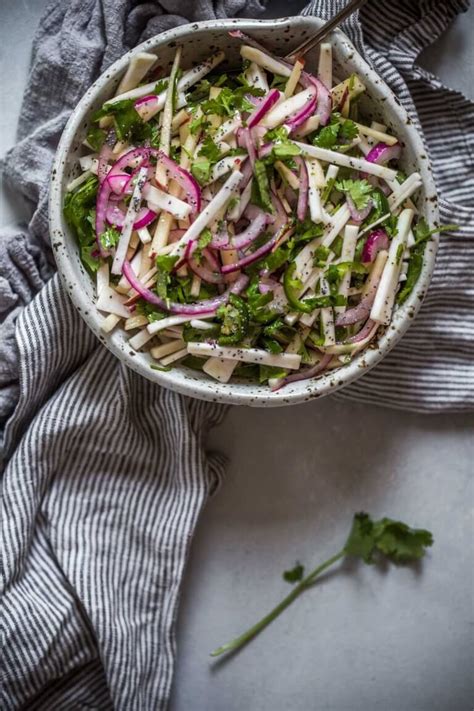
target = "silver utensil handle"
x: 328, y: 27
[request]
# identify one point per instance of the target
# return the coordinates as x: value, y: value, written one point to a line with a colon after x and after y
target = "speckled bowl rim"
x: 183, y: 380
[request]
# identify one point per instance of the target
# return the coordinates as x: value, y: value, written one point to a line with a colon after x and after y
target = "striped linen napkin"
x: 105, y: 474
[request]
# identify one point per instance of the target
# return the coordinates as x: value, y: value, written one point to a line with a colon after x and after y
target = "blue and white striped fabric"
x: 106, y: 474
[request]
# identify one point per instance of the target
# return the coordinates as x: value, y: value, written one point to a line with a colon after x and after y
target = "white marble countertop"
x: 365, y: 639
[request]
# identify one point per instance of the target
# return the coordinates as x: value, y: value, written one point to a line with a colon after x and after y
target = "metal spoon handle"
x: 325, y: 29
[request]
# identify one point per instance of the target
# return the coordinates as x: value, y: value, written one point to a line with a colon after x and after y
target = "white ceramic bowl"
x: 198, y: 41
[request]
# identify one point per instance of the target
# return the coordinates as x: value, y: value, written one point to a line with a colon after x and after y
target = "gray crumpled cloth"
x: 105, y: 474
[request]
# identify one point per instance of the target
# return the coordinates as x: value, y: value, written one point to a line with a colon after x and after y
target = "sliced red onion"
x: 207, y: 306
x: 324, y: 99
x: 144, y: 218
x: 133, y: 158
x: 255, y: 100
x: 266, y: 285
x: 268, y: 101
x: 304, y: 374
x: 203, y: 272
x: 356, y: 313
x: 358, y: 216
x: 280, y: 219
x: 376, y: 241
x: 247, y: 173
x: 118, y: 182
x: 249, y: 145
x: 381, y: 153
x: 258, y: 132
x: 251, y: 257
x: 116, y: 216
x: 245, y: 238
x: 211, y: 258
x: 302, y: 206
x: 253, y: 211
x: 363, y: 333
x: 184, y: 179
x: 291, y: 197
x: 221, y: 239
x: 294, y: 121
x: 265, y: 150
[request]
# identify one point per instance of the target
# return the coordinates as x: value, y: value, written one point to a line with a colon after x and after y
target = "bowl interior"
x: 198, y: 41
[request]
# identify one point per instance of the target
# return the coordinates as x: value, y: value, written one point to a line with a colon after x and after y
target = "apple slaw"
x: 246, y: 223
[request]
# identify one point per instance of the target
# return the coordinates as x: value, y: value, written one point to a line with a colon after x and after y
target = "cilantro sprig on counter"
x: 370, y: 541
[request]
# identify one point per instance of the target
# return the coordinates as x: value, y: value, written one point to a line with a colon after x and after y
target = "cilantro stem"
x: 265, y: 621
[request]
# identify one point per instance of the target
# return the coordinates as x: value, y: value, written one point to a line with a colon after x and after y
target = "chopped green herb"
x: 160, y: 86
x: 95, y: 138
x: 166, y: 262
x: 80, y: 216
x: 109, y: 238
x: 295, y: 574
x: 359, y: 191
x: 335, y: 132
x: 228, y: 101
x: 201, y: 170
x: 200, y: 123
x: 269, y: 371
x: 258, y: 302
x: 210, y: 150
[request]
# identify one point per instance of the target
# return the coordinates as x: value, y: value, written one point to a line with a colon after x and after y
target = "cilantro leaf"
x: 295, y: 574
x: 399, y: 542
x: 327, y: 136
x: 199, y: 123
x: 228, y: 101
x: 95, y: 138
x: 166, y: 262
x: 348, y: 130
x: 336, y: 132
x: 335, y: 272
x: 210, y: 150
x: 387, y: 537
x: 269, y: 371
x: 160, y: 86
x: 278, y: 134
x: 279, y: 82
x: 201, y: 169
x: 79, y: 214
x: 208, y: 156
x: 285, y: 150
x: 359, y: 191
x: 129, y: 125
x: 258, y: 302
x: 109, y: 238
